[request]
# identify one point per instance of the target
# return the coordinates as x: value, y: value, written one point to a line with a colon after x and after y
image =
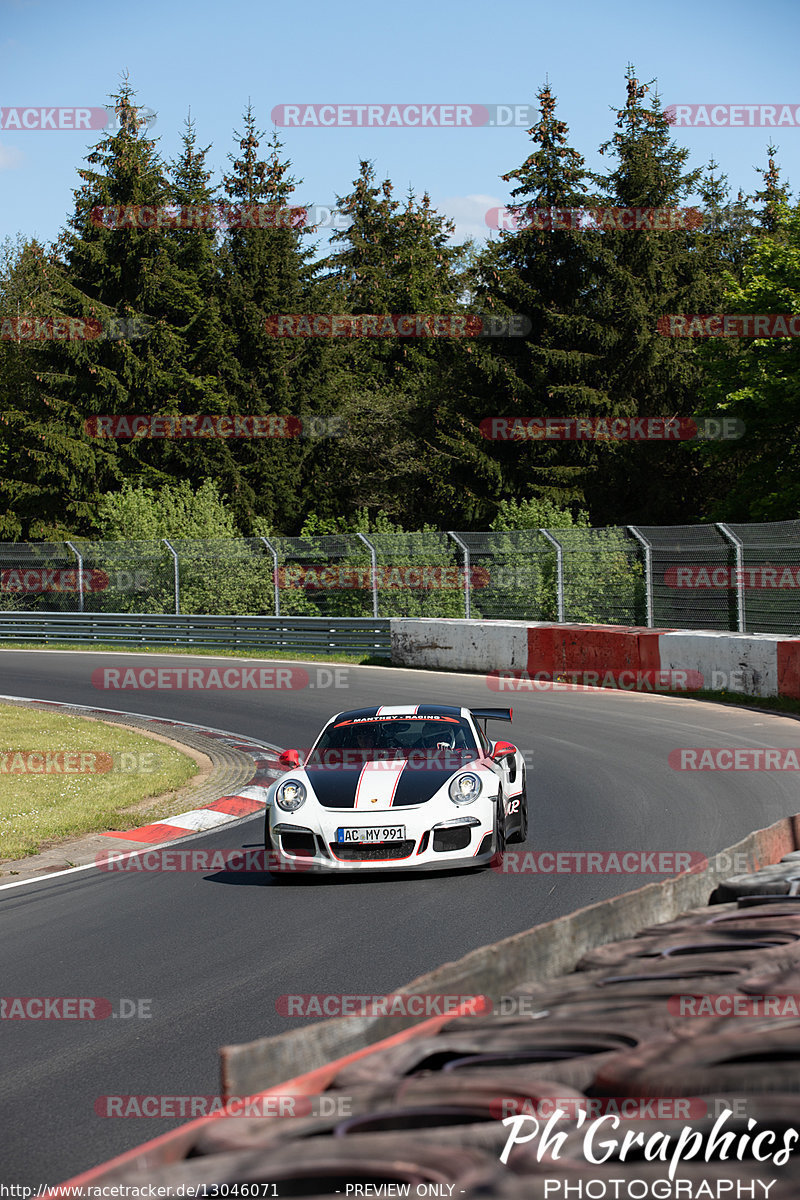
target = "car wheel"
x: 499, y: 825
x: 521, y: 835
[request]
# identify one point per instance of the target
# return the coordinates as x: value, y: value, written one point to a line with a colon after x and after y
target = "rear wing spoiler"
x: 493, y: 714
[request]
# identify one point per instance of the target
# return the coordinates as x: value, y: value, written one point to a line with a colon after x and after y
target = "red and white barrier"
x: 757, y: 664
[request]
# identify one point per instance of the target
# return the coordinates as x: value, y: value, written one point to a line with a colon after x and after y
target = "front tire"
x: 500, y: 825
x: 521, y: 834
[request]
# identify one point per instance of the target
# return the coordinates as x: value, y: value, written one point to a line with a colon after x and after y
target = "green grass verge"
x: 40, y: 807
x: 364, y: 660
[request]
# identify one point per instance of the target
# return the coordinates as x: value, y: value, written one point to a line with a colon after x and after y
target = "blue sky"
x: 212, y: 58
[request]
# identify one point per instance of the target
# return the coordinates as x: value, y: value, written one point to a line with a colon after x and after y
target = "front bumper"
x: 433, y: 842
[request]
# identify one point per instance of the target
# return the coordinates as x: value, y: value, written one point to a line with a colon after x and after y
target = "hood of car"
x: 374, y: 786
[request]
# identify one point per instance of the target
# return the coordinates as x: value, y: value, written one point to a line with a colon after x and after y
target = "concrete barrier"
x: 555, y: 649
x: 453, y: 645
x: 755, y: 664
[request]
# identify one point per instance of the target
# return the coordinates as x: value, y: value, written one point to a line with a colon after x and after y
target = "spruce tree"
x: 643, y: 276
x: 395, y: 259
x: 265, y: 272
x: 51, y: 474
x: 547, y: 276
x: 756, y: 379
x: 129, y: 279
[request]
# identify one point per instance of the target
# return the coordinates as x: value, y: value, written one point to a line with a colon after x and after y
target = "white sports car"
x: 398, y: 787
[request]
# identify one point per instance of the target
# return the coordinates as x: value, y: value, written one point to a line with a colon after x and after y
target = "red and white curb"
x: 252, y: 798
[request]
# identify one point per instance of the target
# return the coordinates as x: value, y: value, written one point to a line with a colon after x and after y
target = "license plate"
x: 376, y: 833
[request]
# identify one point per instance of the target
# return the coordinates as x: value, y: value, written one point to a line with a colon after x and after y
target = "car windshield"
x: 445, y: 741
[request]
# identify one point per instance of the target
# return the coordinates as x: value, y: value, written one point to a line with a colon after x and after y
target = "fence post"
x: 274, y: 554
x: 648, y: 572
x: 739, y: 547
x: 80, y: 574
x: 177, y: 577
x: 374, y: 559
x: 559, y: 573
x: 467, y: 577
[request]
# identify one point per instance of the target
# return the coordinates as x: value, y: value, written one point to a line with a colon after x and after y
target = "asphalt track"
x: 212, y: 953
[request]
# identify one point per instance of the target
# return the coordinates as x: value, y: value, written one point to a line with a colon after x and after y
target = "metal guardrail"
x: 288, y: 634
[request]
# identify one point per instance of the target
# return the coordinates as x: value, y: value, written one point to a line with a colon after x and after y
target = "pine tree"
x: 774, y: 195
x: 643, y: 276
x: 394, y: 259
x: 116, y: 271
x: 266, y: 272
x: 51, y: 474
x: 546, y: 276
x: 204, y: 345
x: 756, y: 379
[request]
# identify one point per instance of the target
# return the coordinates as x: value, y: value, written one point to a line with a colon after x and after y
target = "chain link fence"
x: 724, y: 577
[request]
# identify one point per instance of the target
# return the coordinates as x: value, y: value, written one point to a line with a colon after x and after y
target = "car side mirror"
x: 289, y: 759
x: 503, y: 750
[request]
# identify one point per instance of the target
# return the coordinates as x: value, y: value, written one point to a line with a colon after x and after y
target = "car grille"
x: 374, y: 853
x: 456, y: 838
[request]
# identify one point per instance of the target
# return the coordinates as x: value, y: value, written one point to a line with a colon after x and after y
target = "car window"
x: 368, y: 739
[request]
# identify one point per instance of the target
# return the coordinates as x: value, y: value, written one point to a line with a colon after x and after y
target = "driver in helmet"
x: 366, y: 738
x: 439, y: 736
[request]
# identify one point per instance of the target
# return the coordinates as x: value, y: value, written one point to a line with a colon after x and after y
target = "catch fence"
x: 740, y: 577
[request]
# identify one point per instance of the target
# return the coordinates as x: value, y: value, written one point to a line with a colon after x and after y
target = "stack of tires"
x: 682, y: 1035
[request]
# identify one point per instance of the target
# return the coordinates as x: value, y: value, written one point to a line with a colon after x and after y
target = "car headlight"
x: 465, y: 788
x: 290, y: 795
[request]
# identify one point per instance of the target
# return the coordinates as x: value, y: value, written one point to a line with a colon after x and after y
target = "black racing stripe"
x: 335, y: 785
x: 357, y: 712
x: 418, y: 785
